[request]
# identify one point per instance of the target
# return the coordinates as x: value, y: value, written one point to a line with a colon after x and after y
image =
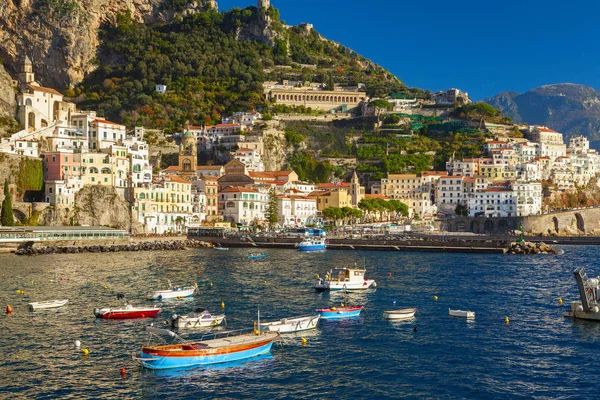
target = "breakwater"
x: 164, y: 245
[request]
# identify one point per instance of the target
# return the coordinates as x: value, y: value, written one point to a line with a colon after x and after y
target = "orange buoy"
x: 8, y: 309
x: 123, y: 372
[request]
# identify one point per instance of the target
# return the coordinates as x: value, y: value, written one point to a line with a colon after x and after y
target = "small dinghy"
x: 404, y: 313
x: 257, y: 255
x: 172, y: 293
x: 40, y: 305
x: 461, y: 313
x: 291, y: 325
x: 200, y: 318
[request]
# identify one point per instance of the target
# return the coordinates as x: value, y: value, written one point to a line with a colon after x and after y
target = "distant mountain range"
x: 565, y: 107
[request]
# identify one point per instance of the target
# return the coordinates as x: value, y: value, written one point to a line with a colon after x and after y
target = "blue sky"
x: 482, y: 47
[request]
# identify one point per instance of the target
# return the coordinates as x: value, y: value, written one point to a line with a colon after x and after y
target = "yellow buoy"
x: 211, y: 284
x: 506, y: 320
x: 222, y: 304
x: 304, y: 341
x: 265, y: 282
x: 51, y: 280
x: 105, y: 287
x: 559, y: 301
x: 435, y: 298
x: 85, y: 351
x: 333, y: 309
x: 342, y: 305
x: 18, y: 291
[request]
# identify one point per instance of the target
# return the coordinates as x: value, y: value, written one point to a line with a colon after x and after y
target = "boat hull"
x: 338, y: 313
x: 292, y: 325
x: 163, y: 357
x: 184, y: 322
x: 577, y: 312
x: 461, y: 314
x: 43, y: 305
x: 126, y: 314
x: 312, y: 247
x: 399, y: 314
x: 171, y: 294
x: 323, y: 285
x: 257, y: 257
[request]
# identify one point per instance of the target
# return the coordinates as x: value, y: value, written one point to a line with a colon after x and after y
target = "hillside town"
x: 80, y: 148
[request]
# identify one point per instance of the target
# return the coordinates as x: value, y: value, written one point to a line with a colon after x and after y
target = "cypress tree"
x: 272, y: 209
x: 6, y: 217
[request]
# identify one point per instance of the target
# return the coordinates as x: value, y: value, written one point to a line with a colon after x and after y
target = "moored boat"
x: 340, y: 312
x: 461, y: 313
x: 221, y: 347
x: 220, y: 248
x: 172, y: 292
x: 404, y: 313
x: 200, y: 318
x: 345, y: 279
x: 312, y: 244
x: 40, y: 305
x: 126, y: 312
x: 290, y: 325
x: 589, y: 292
x: 257, y: 255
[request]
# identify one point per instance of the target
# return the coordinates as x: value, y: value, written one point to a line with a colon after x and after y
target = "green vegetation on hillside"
x: 207, y: 70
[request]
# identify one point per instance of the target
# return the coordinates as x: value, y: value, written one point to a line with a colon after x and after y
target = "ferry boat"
x: 221, y: 347
x: 589, y: 292
x: 312, y: 244
x: 351, y: 278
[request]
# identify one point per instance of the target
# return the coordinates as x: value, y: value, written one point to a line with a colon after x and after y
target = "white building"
x: 242, y: 205
x: 105, y: 133
x: 161, y: 89
x: 492, y: 202
x: 246, y: 119
x: 251, y: 158
x: 450, y: 193
x: 528, y: 197
x: 295, y: 211
x: 27, y: 148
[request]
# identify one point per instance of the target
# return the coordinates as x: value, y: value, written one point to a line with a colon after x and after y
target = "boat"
x: 172, y: 292
x: 461, y: 313
x: 291, y: 325
x: 257, y: 255
x: 200, y: 318
x: 220, y: 248
x: 351, y: 278
x: 589, y: 292
x: 126, y: 311
x: 312, y: 244
x: 220, y: 347
x: 340, y: 312
x: 404, y: 313
x: 40, y: 305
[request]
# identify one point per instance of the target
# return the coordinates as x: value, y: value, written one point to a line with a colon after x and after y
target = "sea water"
x: 537, y: 354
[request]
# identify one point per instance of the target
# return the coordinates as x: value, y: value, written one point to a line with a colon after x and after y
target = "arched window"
x: 230, y: 204
x: 245, y: 205
x: 93, y: 170
x: 137, y: 168
x: 187, y: 165
x: 105, y: 170
x: 252, y: 206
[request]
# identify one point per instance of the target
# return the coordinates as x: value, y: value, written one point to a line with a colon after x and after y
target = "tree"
x: 380, y: 106
x: 334, y: 213
x: 6, y: 217
x: 461, y: 210
x: 272, y: 215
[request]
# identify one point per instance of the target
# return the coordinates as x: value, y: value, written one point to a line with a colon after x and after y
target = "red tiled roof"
x: 172, y: 168
x: 454, y: 177
x: 199, y: 167
x: 177, y: 179
x: 237, y: 189
x: 376, y: 196
x: 44, y: 89
x: 331, y: 185
x: 194, y: 128
x: 544, y: 129
x: 496, y: 142
x: 435, y: 173
x: 103, y: 121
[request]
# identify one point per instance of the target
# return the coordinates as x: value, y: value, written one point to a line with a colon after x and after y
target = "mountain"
x: 567, y: 108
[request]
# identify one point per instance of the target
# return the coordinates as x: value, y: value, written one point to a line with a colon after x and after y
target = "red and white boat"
x: 126, y: 312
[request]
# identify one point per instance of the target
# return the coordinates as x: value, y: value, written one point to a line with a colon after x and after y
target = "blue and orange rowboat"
x: 340, y: 312
x: 225, y: 347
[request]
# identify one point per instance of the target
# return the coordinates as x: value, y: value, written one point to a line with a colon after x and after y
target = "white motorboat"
x: 291, y: 325
x: 220, y: 248
x: 589, y: 292
x: 461, y: 313
x: 404, y: 313
x: 40, y: 305
x: 200, y: 318
x: 351, y: 278
x: 172, y: 293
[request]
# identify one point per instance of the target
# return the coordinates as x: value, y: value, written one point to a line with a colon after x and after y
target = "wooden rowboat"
x: 404, y: 313
x: 461, y: 313
x: 40, y: 305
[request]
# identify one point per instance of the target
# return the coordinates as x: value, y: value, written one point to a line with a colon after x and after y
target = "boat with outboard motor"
x: 127, y: 311
x: 219, y: 347
x: 344, y: 311
x: 461, y: 313
x: 589, y: 292
x: 257, y: 255
x: 312, y: 244
x: 200, y: 318
x: 350, y: 278
x: 174, y: 292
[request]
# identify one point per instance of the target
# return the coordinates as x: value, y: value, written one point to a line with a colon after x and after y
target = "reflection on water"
x: 539, y: 353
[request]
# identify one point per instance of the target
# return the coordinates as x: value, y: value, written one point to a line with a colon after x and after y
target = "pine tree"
x: 272, y: 210
x: 6, y: 217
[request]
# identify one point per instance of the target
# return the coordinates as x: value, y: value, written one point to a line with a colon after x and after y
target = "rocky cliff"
x: 8, y: 105
x: 61, y: 36
x: 568, y: 108
x: 95, y: 206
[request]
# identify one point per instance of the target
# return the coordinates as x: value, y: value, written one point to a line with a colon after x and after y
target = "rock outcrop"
x: 95, y: 206
x: 530, y: 248
x: 61, y: 36
x: 8, y: 104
